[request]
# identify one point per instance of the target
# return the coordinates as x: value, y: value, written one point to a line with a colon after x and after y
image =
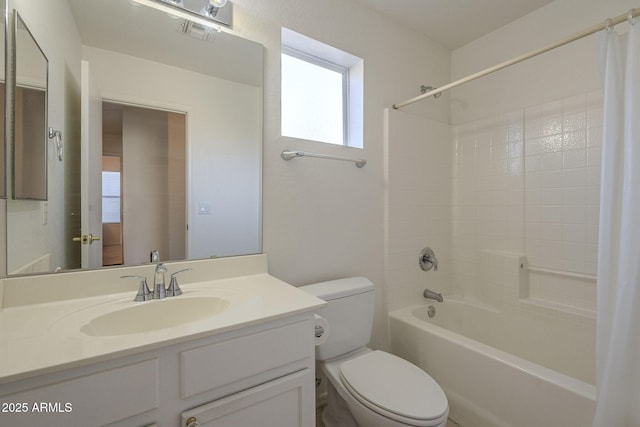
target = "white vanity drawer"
x: 284, y: 402
x: 95, y: 399
x: 227, y: 362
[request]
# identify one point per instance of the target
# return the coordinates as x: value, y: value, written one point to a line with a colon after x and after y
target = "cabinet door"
x: 284, y: 402
x: 91, y: 400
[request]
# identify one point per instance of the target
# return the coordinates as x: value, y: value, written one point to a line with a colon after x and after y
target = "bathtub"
x: 488, y: 386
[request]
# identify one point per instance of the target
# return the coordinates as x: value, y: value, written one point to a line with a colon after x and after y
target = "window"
x: 110, y: 197
x: 313, y: 98
x: 321, y: 92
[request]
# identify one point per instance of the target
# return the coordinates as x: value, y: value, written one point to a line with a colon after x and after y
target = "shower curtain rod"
x: 633, y: 13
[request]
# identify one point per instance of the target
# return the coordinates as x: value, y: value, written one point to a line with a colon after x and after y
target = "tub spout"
x: 429, y: 294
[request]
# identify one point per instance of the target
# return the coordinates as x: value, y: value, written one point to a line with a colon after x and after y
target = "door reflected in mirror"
x: 143, y: 184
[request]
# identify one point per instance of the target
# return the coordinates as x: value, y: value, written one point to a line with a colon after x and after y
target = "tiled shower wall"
x: 417, y: 205
x: 488, y: 198
x: 527, y: 182
x: 562, y: 180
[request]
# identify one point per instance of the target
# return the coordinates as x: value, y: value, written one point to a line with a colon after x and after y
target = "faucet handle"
x: 427, y: 260
x: 174, y: 289
x: 144, y: 294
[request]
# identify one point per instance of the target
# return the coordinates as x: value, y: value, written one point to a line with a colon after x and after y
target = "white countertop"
x: 40, y: 338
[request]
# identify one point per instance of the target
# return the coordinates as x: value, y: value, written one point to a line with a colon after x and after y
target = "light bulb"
x: 210, y: 8
x: 178, y: 3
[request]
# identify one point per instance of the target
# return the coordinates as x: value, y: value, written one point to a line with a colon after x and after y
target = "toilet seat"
x: 395, y: 388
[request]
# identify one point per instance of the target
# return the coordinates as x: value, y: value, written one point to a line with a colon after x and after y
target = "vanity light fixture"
x: 179, y: 3
x: 211, y: 8
x: 208, y: 13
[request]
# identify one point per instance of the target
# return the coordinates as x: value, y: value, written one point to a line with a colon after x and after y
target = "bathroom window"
x: 111, y: 197
x: 321, y: 92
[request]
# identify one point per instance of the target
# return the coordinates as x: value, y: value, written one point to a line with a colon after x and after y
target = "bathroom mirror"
x: 112, y: 63
x: 29, y: 148
x: 3, y: 48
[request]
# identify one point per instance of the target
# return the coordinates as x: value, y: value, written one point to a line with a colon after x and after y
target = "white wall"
x: 323, y: 219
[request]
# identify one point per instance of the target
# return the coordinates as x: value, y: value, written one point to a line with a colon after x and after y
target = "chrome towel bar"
x: 288, y: 155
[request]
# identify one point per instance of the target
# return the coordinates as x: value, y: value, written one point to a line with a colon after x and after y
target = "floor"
x: 450, y: 422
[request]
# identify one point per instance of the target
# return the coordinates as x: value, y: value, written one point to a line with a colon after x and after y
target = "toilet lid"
x: 382, y: 380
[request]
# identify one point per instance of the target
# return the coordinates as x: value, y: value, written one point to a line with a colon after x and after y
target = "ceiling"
x: 454, y: 23
x: 126, y: 27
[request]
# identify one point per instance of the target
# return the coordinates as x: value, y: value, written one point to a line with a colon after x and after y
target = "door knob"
x: 86, y: 239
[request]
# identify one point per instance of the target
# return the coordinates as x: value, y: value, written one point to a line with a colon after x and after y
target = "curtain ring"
x: 630, y: 17
x: 607, y: 25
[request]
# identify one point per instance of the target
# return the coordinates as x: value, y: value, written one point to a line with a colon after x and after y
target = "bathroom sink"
x: 155, y: 315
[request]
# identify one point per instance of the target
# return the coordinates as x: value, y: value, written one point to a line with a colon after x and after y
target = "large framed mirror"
x: 3, y: 47
x: 161, y: 123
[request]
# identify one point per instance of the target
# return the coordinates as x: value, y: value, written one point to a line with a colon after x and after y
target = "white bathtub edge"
x: 580, y: 388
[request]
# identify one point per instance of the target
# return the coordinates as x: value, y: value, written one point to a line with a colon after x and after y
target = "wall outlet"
x: 204, y: 208
x: 44, y: 207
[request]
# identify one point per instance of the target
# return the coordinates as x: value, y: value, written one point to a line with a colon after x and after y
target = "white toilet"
x: 369, y: 388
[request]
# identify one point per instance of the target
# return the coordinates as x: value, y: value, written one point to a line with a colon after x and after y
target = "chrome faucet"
x: 159, y: 291
x: 429, y: 294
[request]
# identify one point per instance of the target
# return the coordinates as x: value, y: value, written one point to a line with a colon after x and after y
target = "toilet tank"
x: 349, y: 311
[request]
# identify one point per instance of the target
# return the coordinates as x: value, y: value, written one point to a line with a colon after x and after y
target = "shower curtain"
x: 618, y: 311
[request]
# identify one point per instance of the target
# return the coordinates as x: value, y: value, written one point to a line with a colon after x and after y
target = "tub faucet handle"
x: 428, y: 260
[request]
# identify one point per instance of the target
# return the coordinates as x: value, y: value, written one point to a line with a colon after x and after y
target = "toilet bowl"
x: 369, y: 388
x: 383, y: 390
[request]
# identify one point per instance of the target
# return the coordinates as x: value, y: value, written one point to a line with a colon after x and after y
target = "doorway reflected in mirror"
x: 143, y: 184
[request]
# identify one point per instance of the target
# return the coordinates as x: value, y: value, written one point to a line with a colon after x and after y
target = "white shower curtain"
x: 618, y: 313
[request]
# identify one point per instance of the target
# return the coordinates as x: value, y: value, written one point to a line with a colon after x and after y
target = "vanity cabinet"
x: 261, y: 374
x: 277, y: 403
